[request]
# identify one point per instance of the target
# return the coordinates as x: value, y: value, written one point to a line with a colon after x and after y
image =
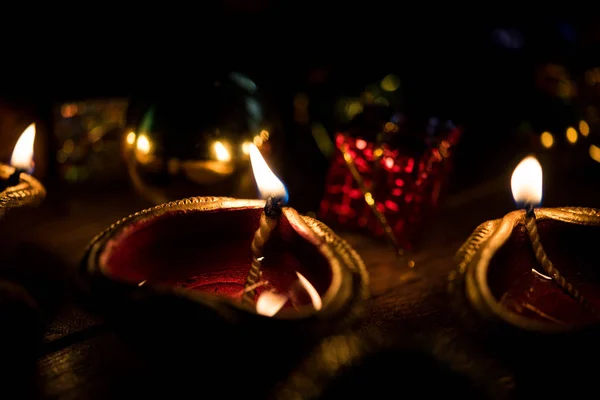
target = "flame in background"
x: 22, y: 156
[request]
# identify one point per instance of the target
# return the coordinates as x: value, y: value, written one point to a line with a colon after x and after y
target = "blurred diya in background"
x: 534, y: 270
x: 17, y: 187
x: 244, y: 259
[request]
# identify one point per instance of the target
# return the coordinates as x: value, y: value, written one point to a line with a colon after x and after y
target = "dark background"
x: 478, y: 68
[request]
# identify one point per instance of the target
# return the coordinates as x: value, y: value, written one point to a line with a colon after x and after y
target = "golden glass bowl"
x: 28, y: 192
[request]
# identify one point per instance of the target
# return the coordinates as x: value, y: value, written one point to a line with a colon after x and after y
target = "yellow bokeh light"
x: 547, y: 139
x: 246, y: 148
x: 584, y: 128
x: 354, y: 108
x: 130, y: 138
x: 221, y: 151
x: 143, y: 144
x: 68, y: 110
x: 390, y: 83
x: 68, y: 146
x: 571, y: 135
x: 367, y: 97
x: 390, y: 127
x: 258, y: 141
x: 595, y: 153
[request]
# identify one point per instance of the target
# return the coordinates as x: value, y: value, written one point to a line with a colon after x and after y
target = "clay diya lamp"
x: 200, y: 249
x: 17, y: 187
x: 529, y: 283
x: 182, y: 274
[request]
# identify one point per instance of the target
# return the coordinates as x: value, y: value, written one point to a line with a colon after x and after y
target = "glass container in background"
x: 197, y: 144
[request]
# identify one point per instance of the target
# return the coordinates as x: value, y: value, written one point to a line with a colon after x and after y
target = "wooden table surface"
x: 83, y: 358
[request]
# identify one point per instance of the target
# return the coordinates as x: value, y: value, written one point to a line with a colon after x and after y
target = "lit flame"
x: 130, y: 138
x: 268, y: 184
x: 312, y: 292
x: 269, y: 303
x: 526, y: 182
x: 221, y: 151
x: 143, y: 144
x: 22, y: 156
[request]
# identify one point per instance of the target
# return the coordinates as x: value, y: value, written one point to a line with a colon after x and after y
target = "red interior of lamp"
x: 209, y: 251
x: 573, y: 249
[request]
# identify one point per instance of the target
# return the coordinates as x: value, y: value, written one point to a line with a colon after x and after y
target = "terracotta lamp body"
x: 529, y: 321
x: 172, y: 276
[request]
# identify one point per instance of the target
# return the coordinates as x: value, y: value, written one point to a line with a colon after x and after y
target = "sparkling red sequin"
x: 405, y: 187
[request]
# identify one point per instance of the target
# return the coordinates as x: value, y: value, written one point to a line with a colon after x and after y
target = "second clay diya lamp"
x: 528, y: 286
x: 536, y: 269
x: 250, y: 261
x: 245, y: 287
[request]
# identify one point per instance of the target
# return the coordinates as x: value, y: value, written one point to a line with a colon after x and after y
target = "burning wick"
x: 22, y: 158
x: 271, y: 189
x: 526, y: 185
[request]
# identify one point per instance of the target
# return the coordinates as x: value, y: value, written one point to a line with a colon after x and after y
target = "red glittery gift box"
x: 404, y: 182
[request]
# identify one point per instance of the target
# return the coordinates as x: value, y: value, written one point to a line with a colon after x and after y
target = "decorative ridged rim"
x: 470, y: 299
x: 348, y: 258
x: 29, y: 191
